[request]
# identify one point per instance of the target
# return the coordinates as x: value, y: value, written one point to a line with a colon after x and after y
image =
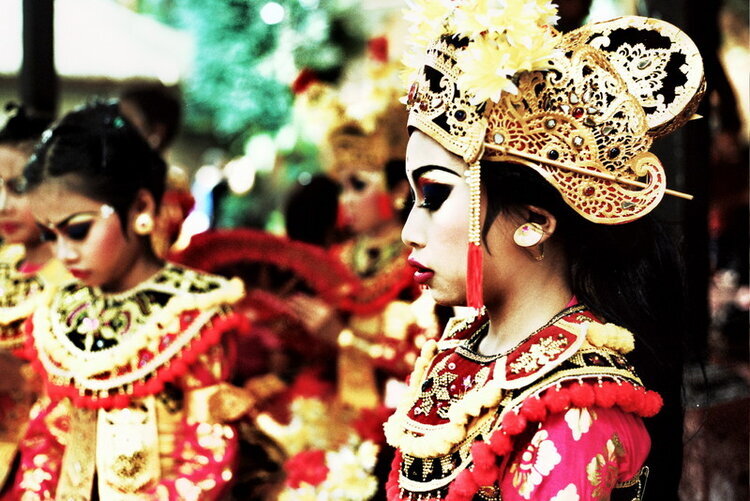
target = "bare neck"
x: 537, y: 291
x: 140, y: 270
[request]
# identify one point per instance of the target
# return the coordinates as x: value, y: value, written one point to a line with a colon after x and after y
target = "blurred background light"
x: 272, y: 13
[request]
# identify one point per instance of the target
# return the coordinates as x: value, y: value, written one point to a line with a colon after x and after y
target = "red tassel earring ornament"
x: 385, y: 206
x: 342, y: 219
x: 474, y: 258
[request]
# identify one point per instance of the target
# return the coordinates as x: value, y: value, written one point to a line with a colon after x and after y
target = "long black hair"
x: 628, y: 274
x: 96, y: 152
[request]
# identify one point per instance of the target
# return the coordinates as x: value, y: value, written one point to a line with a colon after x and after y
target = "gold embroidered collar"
x: 102, y: 342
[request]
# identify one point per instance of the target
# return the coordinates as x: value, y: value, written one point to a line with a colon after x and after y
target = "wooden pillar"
x: 38, y: 82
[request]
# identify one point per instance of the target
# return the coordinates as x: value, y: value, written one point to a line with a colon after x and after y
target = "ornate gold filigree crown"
x: 585, y: 122
x: 351, y: 148
x: 364, y: 123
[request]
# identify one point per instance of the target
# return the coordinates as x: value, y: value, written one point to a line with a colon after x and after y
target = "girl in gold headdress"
x: 528, y: 146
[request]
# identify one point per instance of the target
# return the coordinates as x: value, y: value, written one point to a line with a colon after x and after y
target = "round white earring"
x: 528, y: 234
x: 144, y: 224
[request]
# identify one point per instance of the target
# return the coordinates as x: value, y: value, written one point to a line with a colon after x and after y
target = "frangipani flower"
x: 506, y: 37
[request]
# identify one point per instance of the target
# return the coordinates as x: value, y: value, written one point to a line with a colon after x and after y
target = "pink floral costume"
x: 136, y: 406
x: 557, y: 418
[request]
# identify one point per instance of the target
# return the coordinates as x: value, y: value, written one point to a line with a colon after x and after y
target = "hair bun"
x: 18, y: 125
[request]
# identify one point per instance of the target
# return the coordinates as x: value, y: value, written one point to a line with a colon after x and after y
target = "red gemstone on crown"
x: 577, y: 112
x: 412, y: 93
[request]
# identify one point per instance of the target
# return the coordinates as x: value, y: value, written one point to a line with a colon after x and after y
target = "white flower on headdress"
x: 426, y: 19
x: 474, y: 17
x: 427, y: 22
x: 477, y: 74
x: 507, y: 37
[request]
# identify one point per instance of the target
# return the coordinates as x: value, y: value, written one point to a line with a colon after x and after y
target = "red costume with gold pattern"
x: 135, y: 398
x: 557, y: 417
x: 21, y: 292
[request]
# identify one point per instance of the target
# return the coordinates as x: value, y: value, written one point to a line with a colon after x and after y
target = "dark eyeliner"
x: 78, y: 231
x: 434, y: 195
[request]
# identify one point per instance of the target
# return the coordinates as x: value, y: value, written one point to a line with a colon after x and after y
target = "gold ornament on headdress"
x: 581, y: 109
x: 351, y: 148
x: 365, y: 126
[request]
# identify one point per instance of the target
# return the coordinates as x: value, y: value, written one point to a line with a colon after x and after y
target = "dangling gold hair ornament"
x: 492, y: 80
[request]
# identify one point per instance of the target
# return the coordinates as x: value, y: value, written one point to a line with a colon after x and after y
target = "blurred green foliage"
x: 243, y: 68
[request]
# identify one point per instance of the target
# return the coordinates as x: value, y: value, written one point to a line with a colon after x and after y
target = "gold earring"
x: 144, y: 224
x: 528, y: 235
x: 541, y: 253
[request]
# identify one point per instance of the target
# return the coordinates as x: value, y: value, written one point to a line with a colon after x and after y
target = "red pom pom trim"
x: 556, y: 399
x: 606, y: 394
x: 581, y: 395
x: 534, y: 409
x: 627, y: 396
x: 167, y: 373
x: 513, y: 423
x: 500, y: 443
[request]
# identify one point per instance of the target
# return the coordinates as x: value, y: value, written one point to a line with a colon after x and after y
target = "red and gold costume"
x: 21, y: 287
x: 557, y: 417
x: 135, y: 404
x: 385, y: 325
x: 21, y: 292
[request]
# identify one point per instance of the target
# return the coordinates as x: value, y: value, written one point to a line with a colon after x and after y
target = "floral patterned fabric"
x: 196, y: 458
x: 577, y: 455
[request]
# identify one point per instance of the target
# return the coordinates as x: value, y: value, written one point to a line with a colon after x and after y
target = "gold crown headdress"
x: 365, y: 126
x: 581, y: 109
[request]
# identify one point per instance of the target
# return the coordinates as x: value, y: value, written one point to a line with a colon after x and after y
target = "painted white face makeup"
x: 437, y: 227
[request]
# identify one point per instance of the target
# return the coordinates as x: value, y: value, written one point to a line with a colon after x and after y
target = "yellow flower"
x: 426, y: 19
x: 485, y: 71
x: 472, y: 18
x: 515, y: 41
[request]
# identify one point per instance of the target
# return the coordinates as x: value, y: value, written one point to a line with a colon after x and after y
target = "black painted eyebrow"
x: 419, y: 171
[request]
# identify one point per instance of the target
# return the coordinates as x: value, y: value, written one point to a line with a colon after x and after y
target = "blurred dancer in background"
x: 26, y: 269
x: 156, y: 112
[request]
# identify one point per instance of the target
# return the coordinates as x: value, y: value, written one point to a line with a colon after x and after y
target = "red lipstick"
x: 9, y: 228
x: 422, y: 275
x: 79, y: 274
